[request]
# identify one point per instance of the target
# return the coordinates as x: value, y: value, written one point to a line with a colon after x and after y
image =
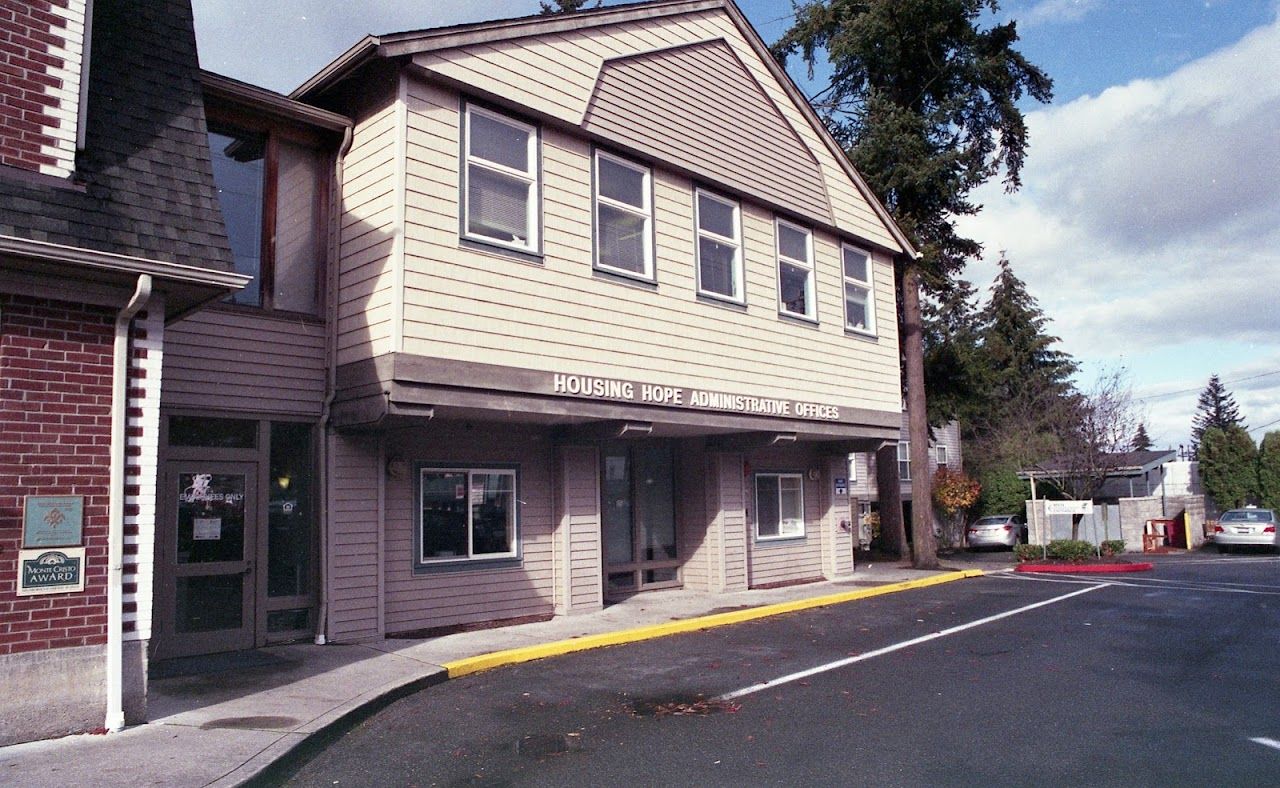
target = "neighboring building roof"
x: 1118, y: 464
x: 143, y: 186
x: 568, y: 96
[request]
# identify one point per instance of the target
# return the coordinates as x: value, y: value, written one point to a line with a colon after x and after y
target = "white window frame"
x: 940, y: 455
x: 904, y: 461
x: 471, y: 473
x: 739, y: 283
x: 529, y: 177
x: 810, y: 300
x: 645, y: 211
x: 796, y: 529
x: 865, y: 284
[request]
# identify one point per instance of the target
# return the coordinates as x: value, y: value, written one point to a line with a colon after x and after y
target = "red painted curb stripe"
x: 1085, y: 569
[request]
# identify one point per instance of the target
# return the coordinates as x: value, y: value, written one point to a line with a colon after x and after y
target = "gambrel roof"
x: 687, y: 83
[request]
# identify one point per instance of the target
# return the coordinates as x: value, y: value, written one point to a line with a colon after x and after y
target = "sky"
x: 1148, y: 223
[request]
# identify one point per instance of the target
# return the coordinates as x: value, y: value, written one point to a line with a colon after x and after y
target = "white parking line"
x: 1156, y: 584
x: 1265, y: 742
x: 754, y: 688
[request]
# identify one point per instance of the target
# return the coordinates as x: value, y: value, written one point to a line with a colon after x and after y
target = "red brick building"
x: 108, y: 228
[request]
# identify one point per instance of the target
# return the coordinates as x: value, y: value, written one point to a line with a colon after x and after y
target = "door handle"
x: 248, y: 568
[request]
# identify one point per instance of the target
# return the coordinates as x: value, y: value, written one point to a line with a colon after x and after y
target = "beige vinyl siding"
x: 648, y: 103
x: 838, y: 544
x: 695, y: 526
x: 241, y: 361
x: 472, y: 305
x: 366, y: 277
x: 785, y: 560
x: 464, y: 595
x: 567, y: 67
x: 584, y: 587
x: 734, y: 505
x: 352, y: 572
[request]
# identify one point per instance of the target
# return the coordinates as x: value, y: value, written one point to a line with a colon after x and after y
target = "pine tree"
x: 568, y: 6
x: 1016, y: 346
x: 925, y: 102
x: 1269, y: 471
x: 1141, y: 440
x: 1228, y: 466
x: 1216, y: 408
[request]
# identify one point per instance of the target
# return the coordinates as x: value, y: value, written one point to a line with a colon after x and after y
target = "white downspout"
x: 331, y: 386
x: 115, y: 511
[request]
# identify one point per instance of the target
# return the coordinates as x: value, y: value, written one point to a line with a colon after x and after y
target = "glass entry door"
x: 209, y: 535
x: 638, y: 517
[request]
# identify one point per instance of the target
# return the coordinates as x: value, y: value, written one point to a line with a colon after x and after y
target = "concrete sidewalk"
x: 223, y: 728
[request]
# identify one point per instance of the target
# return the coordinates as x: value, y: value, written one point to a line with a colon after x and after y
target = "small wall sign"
x: 54, y: 571
x: 842, y: 486
x: 52, y: 520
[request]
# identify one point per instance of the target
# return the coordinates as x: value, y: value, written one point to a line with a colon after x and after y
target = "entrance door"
x: 638, y: 518
x: 209, y: 539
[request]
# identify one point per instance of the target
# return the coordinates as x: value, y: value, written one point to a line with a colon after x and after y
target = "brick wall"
x: 55, y: 437
x: 41, y: 50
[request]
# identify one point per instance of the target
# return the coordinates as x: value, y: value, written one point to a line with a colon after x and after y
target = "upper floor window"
x: 271, y: 192
x: 624, y: 216
x: 941, y: 454
x: 719, y: 247
x: 859, y: 304
x: 500, y: 180
x: 795, y: 271
x: 904, y: 461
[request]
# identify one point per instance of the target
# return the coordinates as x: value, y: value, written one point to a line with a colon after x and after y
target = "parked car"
x: 997, y: 530
x: 1248, y: 526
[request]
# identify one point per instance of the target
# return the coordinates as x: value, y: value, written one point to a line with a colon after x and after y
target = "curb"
x: 1085, y: 569
x: 464, y: 667
x: 280, y: 769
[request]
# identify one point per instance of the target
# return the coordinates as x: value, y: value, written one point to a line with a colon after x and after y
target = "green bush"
x: 1071, y: 549
x: 1028, y: 552
x: 1112, y: 547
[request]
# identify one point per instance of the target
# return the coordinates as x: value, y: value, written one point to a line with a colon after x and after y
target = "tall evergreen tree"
x: 1228, y: 466
x: 1016, y: 345
x: 568, y: 6
x: 1141, y: 440
x: 924, y: 100
x: 1216, y: 408
x: 1269, y: 471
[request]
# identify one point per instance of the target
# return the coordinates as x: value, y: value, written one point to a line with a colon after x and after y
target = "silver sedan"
x: 1248, y: 526
x: 997, y: 530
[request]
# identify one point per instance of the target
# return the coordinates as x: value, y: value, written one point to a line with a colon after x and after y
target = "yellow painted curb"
x: 468, y: 665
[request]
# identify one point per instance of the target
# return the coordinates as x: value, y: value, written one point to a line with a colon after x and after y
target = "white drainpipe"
x: 115, y: 512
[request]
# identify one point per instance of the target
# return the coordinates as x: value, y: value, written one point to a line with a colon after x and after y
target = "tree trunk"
x: 892, y: 532
x: 926, y: 546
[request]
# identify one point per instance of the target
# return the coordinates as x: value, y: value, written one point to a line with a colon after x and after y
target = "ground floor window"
x: 779, y: 505
x: 467, y: 513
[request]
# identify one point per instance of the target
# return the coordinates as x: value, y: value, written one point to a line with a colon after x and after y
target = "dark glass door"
x: 638, y: 517
x: 210, y: 539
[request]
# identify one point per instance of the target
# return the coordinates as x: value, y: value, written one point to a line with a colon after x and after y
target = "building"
x: 944, y: 451
x: 525, y: 316
x: 109, y: 230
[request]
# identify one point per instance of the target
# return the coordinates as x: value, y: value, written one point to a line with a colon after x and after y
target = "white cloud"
x: 1055, y: 12
x: 1149, y: 225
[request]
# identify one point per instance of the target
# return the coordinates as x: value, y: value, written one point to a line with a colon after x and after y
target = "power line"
x: 1192, y: 391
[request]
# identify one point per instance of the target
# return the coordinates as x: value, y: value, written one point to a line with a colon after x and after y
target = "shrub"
x: 1028, y: 552
x: 1112, y: 547
x: 1071, y: 549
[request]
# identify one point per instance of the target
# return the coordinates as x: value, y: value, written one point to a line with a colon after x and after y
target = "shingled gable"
x: 568, y: 69
x: 142, y: 199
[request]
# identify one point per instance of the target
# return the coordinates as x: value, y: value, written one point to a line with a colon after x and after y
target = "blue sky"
x: 1148, y: 226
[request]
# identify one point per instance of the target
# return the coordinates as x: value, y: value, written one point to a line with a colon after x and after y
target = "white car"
x: 1248, y: 526
x: 997, y: 530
